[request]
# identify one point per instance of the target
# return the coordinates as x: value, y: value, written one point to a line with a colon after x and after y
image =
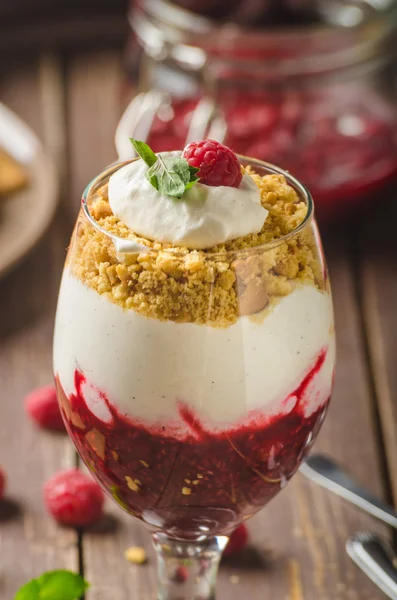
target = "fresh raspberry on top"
x: 217, y: 163
x: 73, y: 498
x: 42, y: 406
x: 2, y: 482
x: 237, y: 541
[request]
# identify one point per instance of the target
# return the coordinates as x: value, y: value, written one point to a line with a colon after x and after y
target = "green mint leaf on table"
x: 54, y: 585
x: 30, y: 591
x: 170, y: 175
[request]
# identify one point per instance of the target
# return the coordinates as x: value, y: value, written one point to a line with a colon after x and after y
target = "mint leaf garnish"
x: 193, y: 177
x: 193, y: 173
x: 170, y: 175
x: 54, y: 585
x: 144, y: 151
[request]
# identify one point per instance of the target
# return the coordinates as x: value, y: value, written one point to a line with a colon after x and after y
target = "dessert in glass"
x: 194, y: 345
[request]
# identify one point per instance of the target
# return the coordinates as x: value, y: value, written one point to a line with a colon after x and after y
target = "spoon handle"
x: 324, y: 471
x: 376, y: 559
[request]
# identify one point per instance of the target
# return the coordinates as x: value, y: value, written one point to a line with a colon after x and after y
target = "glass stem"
x: 187, y: 570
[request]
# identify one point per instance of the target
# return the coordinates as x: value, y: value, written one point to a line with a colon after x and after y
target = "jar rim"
x: 161, y: 21
x: 122, y: 244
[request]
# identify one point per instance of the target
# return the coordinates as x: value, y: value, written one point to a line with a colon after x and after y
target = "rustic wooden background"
x: 73, y: 100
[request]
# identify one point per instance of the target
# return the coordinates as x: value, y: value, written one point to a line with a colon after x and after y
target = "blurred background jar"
x: 309, y: 85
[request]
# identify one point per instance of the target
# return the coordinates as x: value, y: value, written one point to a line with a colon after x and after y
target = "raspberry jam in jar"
x: 316, y: 97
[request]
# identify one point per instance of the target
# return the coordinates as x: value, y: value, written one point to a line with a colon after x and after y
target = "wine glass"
x: 193, y: 383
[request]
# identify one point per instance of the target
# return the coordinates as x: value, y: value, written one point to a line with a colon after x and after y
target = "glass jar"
x: 319, y: 100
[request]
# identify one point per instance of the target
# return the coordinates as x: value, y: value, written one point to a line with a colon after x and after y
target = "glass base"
x: 187, y: 570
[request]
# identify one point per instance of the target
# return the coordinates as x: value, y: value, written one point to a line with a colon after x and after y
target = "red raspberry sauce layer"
x: 205, y: 481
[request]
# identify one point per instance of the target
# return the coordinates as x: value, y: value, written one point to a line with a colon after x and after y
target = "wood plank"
x: 94, y: 108
x: 68, y: 32
x: 300, y: 537
x: 44, y: 24
x: 30, y: 542
x: 378, y: 245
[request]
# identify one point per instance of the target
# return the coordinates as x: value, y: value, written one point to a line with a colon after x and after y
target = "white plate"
x: 25, y: 215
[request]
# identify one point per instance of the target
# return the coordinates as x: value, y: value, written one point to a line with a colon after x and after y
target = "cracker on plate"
x: 12, y: 175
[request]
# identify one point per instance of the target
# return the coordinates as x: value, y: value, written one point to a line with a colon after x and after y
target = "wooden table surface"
x: 73, y: 101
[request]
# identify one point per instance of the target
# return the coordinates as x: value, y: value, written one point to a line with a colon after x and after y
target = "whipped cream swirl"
x: 204, y: 217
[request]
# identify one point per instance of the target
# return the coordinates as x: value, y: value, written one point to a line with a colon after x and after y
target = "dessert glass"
x: 193, y: 383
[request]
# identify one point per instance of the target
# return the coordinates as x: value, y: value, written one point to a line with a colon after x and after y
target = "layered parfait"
x: 194, y: 342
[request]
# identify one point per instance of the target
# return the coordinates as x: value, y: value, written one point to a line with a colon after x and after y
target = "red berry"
x: 73, y: 498
x: 42, y: 406
x: 181, y: 574
x: 2, y: 482
x: 237, y: 541
x: 217, y: 163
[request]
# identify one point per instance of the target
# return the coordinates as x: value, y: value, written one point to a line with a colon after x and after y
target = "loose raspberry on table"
x: 237, y: 541
x: 3, y: 480
x: 73, y: 498
x: 218, y: 164
x: 42, y: 406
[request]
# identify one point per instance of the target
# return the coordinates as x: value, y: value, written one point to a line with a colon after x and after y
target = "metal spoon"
x: 376, y: 559
x: 327, y: 473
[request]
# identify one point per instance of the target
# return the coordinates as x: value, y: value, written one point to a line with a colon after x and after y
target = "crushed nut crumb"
x: 133, y: 484
x: 186, y: 491
x: 208, y: 287
x: 136, y: 555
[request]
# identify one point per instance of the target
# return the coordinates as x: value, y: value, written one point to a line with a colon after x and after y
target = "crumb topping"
x: 136, y: 555
x: 211, y: 286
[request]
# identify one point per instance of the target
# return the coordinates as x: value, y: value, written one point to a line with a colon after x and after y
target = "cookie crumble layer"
x: 200, y: 286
